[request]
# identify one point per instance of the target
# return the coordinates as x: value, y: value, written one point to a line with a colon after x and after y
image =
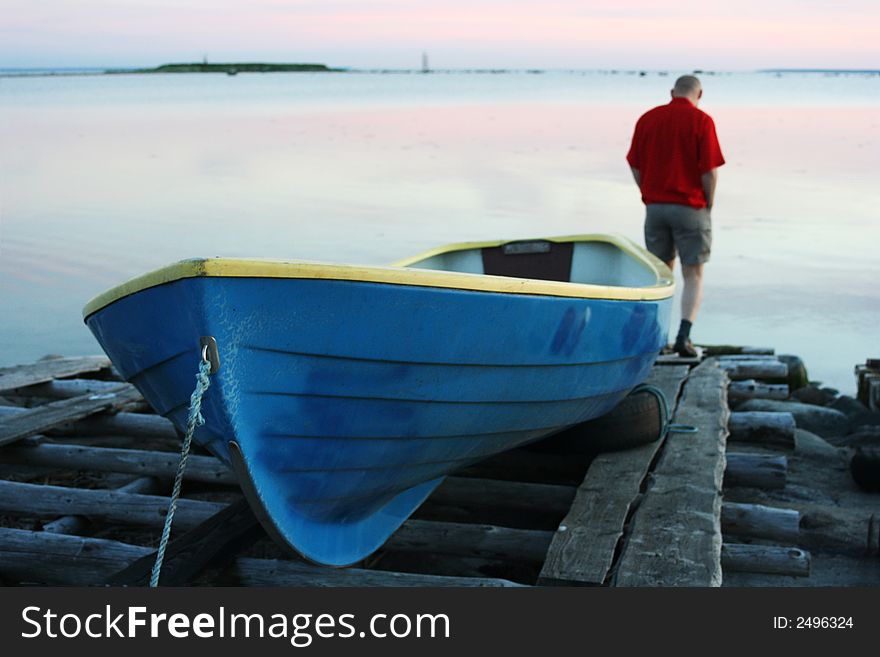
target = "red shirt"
x: 672, y: 146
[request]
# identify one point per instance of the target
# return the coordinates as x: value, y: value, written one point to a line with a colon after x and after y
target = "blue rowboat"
x: 345, y: 394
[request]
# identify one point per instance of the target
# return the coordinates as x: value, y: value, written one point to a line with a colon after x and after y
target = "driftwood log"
x: 79, y: 524
x: 32, y: 500
x: 756, y: 471
x: 751, y: 389
x: 763, y: 427
x: 770, y: 559
x: 27, y: 556
x: 727, y: 350
x: 127, y: 427
x: 37, y: 420
x: 742, y: 369
x: 758, y: 521
x: 206, y: 469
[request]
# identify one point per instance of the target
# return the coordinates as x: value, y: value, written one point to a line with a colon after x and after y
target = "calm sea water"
x: 106, y: 177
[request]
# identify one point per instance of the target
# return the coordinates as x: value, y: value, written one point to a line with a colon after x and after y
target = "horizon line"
x: 73, y: 70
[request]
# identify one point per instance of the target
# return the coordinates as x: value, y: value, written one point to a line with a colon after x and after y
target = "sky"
x: 583, y: 34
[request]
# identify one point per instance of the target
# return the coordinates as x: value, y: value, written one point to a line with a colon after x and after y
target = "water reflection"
x: 103, y: 179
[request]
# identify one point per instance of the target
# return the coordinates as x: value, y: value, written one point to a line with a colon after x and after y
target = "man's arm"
x: 709, y: 181
x: 637, y: 175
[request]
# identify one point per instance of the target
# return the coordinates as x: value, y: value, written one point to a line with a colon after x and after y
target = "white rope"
x: 194, y: 420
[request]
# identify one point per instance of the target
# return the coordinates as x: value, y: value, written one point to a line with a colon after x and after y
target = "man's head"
x: 688, y: 86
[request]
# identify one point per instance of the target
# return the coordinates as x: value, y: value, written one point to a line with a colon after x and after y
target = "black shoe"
x: 685, y: 348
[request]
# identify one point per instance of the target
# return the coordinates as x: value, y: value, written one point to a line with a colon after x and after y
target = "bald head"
x: 688, y: 86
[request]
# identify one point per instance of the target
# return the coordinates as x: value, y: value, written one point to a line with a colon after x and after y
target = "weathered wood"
x: 756, y: 471
x: 113, y: 506
x: 584, y: 544
x: 675, y: 359
x: 215, y: 542
x: 265, y: 572
x: 64, y: 389
x: 752, y: 389
x: 743, y: 370
x: 769, y: 559
x: 490, y: 493
x: 726, y: 359
x: 766, y: 428
x: 675, y: 535
x: 126, y: 426
x: 79, y: 524
x: 206, y: 469
x: 20, y: 376
x: 726, y: 349
x: 868, y: 386
x: 523, y: 505
x: 32, y: 500
x: 432, y: 563
x: 758, y: 521
x: 27, y: 556
x: 483, y: 541
x: 59, y: 559
x: 528, y: 465
x: 38, y: 420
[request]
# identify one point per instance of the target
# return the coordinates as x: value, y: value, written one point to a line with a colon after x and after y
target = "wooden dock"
x: 85, y: 469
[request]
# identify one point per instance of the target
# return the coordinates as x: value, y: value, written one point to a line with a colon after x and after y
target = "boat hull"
x: 347, y: 402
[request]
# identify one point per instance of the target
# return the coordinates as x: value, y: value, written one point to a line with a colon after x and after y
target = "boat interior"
x: 595, y: 262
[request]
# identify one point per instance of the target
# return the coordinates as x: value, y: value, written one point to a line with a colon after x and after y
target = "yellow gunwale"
x: 399, y: 274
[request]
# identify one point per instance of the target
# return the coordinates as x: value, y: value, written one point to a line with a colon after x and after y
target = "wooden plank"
x: 675, y: 533
x: 205, y: 469
x: 214, y: 543
x: 40, y: 419
x: 19, y: 376
x: 32, y: 500
x: 62, y: 389
x: 583, y: 547
x: 57, y: 559
x: 770, y: 559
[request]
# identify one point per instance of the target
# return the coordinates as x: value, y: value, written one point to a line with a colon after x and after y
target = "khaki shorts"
x: 670, y: 228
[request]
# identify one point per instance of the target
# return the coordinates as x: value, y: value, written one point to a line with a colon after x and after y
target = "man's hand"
x: 637, y: 176
x: 709, y: 181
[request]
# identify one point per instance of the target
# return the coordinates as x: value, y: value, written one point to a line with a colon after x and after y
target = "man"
x: 674, y: 158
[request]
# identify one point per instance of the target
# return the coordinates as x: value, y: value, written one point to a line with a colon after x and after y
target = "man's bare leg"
x: 691, y: 297
x: 692, y: 294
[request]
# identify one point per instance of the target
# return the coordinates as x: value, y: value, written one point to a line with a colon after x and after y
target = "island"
x: 232, y: 68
